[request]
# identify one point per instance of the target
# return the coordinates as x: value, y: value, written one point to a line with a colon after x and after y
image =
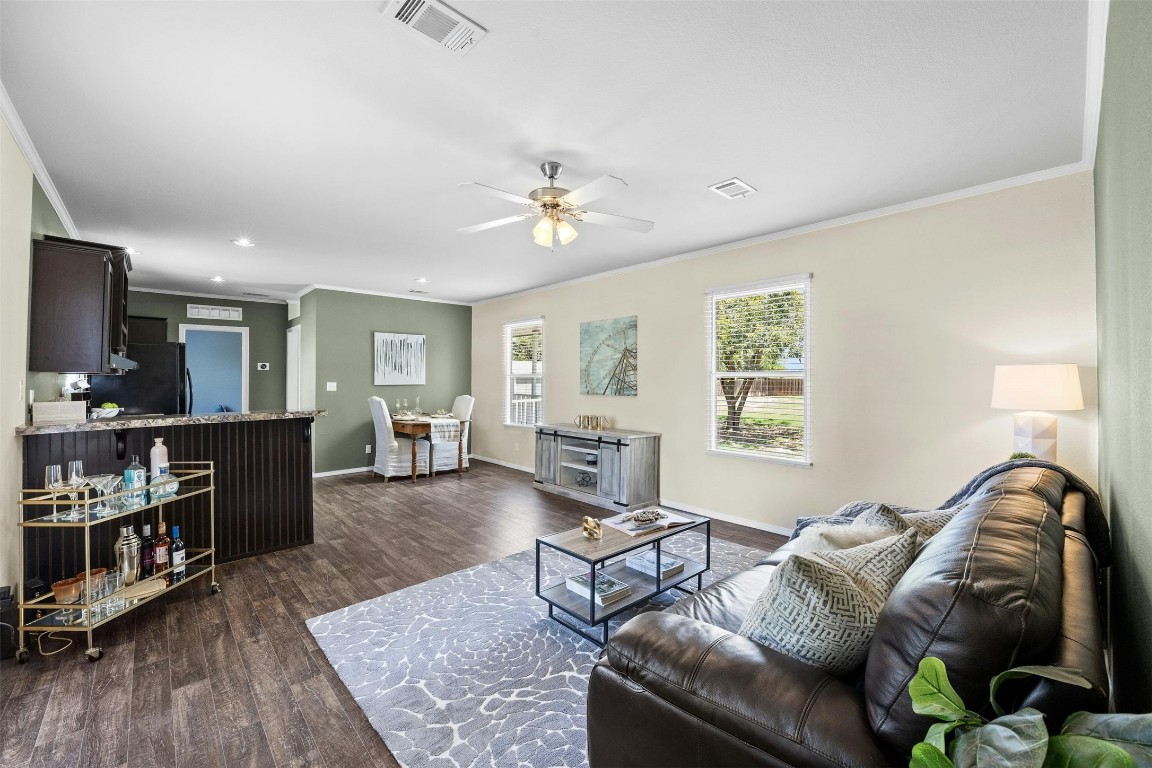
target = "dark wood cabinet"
x: 79, y: 307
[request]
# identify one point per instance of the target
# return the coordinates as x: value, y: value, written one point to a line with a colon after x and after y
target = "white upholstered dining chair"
x: 394, y: 452
x: 462, y: 409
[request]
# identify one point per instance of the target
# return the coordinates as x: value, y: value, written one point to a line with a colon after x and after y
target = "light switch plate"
x: 331, y: 386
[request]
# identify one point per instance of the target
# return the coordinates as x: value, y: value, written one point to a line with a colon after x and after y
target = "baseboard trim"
x: 333, y: 472
x: 510, y: 465
x: 728, y: 518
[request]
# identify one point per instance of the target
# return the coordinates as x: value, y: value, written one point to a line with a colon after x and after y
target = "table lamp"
x: 1034, y: 389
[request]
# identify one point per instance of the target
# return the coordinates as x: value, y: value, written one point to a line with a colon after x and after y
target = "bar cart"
x: 59, y: 532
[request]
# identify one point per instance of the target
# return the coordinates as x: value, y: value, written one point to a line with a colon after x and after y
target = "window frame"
x: 507, y: 337
x: 803, y: 282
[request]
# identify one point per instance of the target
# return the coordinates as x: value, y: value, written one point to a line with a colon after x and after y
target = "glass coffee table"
x: 690, y: 543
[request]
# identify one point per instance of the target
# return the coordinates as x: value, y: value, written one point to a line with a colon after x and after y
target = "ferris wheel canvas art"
x: 608, y: 357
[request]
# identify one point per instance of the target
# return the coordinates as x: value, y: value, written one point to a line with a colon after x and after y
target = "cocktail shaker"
x: 128, y: 555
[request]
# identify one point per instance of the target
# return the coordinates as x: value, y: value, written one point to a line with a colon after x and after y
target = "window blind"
x: 759, y: 391
x: 524, y: 372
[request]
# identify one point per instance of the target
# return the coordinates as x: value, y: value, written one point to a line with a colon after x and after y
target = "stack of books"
x: 645, y: 562
x: 608, y: 589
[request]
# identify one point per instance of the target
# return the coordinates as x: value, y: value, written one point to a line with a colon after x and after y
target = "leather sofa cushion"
x: 983, y: 595
x: 725, y: 603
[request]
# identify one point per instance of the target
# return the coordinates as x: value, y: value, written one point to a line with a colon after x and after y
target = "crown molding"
x: 925, y: 202
x: 254, y: 299
x: 408, y: 297
x: 1094, y: 76
x: 24, y: 141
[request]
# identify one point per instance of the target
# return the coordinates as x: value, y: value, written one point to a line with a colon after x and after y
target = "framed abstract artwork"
x: 399, y: 358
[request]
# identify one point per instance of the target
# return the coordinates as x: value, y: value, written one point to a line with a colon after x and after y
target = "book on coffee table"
x: 608, y: 589
x: 645, y: 562
x: 626, y: 523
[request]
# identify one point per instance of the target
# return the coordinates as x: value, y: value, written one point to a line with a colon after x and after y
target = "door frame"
x: 243, y: 331
x: 292, y: 370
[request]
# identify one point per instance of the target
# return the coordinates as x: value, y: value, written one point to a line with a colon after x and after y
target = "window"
x: 758, y: 398
x: 524, y: 368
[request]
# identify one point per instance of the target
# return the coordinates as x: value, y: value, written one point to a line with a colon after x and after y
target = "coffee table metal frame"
x: 608, y: 555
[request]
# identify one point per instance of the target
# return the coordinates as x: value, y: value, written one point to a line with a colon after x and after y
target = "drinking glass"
x: 76, y: 480
x: 53, y: 480
x: 100, y: 483
x: 113, y: 584
x: 109, y: 484
x: 418, y: 406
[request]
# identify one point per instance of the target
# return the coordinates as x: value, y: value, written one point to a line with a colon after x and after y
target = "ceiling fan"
x: 558, y: 207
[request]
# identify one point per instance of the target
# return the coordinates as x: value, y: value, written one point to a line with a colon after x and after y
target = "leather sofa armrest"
x: 791, y: 710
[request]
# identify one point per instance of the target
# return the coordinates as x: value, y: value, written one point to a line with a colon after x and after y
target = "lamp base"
x: 1035, y: 432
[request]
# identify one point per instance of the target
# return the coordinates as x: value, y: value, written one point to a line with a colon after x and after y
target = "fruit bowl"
x: 105, y: 413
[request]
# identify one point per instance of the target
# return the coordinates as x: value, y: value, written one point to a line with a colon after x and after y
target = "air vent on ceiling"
x: 444, y: 27
x: 253, y: 293
x: 732, y: 189
x: 413, y: 290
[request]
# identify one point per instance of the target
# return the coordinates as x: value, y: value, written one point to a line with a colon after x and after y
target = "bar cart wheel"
x: 22, y: 656
x: 94, y: 654
x: 215, y: 588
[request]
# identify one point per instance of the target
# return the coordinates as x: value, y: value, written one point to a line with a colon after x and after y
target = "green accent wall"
x: 338, y: 335
x: 267, y: 342
x: 1123, y: 178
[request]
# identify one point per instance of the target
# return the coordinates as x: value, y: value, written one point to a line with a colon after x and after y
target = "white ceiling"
x: 336, y: 140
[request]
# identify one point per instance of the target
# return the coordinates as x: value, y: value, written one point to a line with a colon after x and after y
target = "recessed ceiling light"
x: 244, y: 242
x: 217, y: 279
x: 132, y: 251
x: 421, y: 279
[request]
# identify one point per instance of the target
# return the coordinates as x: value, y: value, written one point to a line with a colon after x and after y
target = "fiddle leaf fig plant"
x: 1020, y: 738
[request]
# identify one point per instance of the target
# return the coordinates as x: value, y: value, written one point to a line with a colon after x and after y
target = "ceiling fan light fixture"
x: 542, y: 232
x: 565, y: 232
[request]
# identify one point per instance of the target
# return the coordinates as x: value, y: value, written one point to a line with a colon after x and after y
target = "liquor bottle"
x: 135, y: 482
x: 178, y: 570
x: 147, y: 553
x: 162, y: 485
x: 160, y: 550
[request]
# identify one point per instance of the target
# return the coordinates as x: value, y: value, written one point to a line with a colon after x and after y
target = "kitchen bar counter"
x: 263, y: 463
x: 136, y: 422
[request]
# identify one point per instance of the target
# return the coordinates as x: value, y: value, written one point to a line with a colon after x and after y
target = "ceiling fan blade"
x: 608, y: 220
x: 499, y: 193
x: 496, y: 223
x: 593, y: 190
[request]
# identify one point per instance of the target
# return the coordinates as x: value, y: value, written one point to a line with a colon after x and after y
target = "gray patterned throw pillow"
x: 821, y: 607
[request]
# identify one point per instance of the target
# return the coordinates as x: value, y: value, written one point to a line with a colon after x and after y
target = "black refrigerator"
x: 160, y: 384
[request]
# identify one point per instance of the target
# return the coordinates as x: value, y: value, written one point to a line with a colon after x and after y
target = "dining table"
x: 417, y: 427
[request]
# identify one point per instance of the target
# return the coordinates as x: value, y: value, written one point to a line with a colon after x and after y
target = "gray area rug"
x: 468, y: 670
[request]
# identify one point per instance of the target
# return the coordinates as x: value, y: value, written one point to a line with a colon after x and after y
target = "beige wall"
x: 15, y: 239
x: 910, y: 314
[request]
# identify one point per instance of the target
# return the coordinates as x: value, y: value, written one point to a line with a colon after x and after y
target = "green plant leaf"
x: 1132, y: 733
x: 1019, y: 740
x: 1085, y: 752
x: 931, y: 692
x: 924, y: 755
x: 1061, y: 674
x: 938, y: 731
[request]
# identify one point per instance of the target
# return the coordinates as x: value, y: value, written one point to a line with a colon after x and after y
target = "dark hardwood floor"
x: 235, y: 679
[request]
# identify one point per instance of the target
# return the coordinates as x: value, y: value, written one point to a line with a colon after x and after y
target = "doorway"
x: 217, y: 358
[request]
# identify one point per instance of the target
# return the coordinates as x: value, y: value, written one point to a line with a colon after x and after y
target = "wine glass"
x: 418, y: 406
x: 76, y: 480
x: 53, y: 480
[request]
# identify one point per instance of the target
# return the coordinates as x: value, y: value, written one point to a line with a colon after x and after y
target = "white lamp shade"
x: 542, y: 232
x: 1037, y: 388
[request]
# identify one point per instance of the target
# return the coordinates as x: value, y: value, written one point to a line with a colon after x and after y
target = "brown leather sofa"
x: 1010, y: 580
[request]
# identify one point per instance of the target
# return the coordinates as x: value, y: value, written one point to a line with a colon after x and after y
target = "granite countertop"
x: 135, y: 422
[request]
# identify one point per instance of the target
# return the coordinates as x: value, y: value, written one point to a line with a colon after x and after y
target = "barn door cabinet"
x: 616, y: 469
